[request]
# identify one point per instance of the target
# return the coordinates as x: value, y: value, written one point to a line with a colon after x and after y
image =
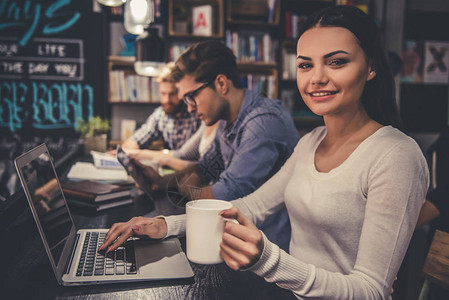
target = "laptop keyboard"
x: 92, y: 262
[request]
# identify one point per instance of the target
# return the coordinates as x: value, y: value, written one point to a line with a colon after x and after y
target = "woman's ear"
x: 371, y: 74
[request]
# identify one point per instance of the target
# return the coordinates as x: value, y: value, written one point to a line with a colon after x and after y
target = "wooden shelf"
x: 122, y: 60
x: 195, y: 37
x: 252, y: 12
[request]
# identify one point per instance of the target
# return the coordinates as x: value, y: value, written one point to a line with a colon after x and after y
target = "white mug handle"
x: 231, y: 220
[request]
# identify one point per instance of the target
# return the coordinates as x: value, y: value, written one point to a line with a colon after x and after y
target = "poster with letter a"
x: 202, y: 20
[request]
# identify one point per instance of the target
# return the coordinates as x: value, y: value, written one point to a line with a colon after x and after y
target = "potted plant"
x: 94, y: 132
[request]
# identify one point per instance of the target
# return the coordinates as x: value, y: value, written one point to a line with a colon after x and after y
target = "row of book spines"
x: 292, y: 22
x: 288, y: 65
x: 132, y: 88
x: 263, y: 84
x: 251, y: 47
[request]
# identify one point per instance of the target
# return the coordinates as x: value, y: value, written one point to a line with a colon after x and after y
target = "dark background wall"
x: 424, y: 107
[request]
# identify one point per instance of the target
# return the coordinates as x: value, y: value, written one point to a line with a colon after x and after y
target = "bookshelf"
x: 256, y: 50
x: 261, y: 77
x: 181, y: 27
x: 125, y: 86
x: 123, y: 105
x: 251, y: 34
x: 254, y: 31
x: 256, y: 59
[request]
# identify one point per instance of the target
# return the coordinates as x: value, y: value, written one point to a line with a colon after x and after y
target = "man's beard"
x: 172, y: 110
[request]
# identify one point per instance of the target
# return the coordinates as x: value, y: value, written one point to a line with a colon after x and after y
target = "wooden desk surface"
x: 25, y: 272
x: 436, y: 266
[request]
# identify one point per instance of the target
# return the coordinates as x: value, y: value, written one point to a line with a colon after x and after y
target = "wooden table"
x: 25, y: 272
x: 436, y: 266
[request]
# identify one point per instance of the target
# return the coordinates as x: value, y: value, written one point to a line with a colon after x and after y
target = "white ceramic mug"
x: 204, y: 230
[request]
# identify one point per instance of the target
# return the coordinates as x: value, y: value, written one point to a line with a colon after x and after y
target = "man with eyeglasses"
x: 170, y: 122
x: 255, y: 136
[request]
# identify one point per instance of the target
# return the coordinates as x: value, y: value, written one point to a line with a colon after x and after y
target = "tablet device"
x: 135, y: 172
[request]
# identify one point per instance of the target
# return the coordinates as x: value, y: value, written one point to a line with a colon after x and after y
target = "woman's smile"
x: 322, y: 95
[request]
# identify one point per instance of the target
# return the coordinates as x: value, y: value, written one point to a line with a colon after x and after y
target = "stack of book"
x: 96, y: 196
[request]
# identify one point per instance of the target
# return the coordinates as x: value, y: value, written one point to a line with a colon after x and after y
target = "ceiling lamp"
x: 111, y: 2
x: 149, y: 49
x: 139, y: 14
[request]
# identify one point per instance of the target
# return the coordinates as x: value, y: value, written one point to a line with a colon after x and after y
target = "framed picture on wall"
x: 436, y: 67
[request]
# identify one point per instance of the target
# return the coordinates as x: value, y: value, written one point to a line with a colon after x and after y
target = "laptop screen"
x: 45, y: 196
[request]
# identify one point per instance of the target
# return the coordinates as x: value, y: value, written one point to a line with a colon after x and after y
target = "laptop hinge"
x: 69, y: 265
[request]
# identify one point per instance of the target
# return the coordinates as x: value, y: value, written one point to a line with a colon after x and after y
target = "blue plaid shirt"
x: 174, y: 130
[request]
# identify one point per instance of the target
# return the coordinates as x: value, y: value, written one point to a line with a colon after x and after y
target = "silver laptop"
x: 73, y: 254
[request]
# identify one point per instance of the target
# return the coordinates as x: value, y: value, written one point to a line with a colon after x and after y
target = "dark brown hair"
x: 205, y: 60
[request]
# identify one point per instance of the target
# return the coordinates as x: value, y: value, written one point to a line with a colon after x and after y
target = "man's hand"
x: 155, y: 228
x: 242, y: 243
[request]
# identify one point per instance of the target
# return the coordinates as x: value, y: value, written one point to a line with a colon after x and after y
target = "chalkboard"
x: 52, y: 66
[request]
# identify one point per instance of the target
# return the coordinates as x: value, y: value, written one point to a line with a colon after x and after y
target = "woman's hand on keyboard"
x: 155, y: 228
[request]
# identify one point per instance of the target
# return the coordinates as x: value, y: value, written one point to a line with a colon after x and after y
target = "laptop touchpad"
x: 163, y: 258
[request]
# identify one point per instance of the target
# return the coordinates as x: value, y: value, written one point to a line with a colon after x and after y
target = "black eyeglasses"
x: 189, y: 97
